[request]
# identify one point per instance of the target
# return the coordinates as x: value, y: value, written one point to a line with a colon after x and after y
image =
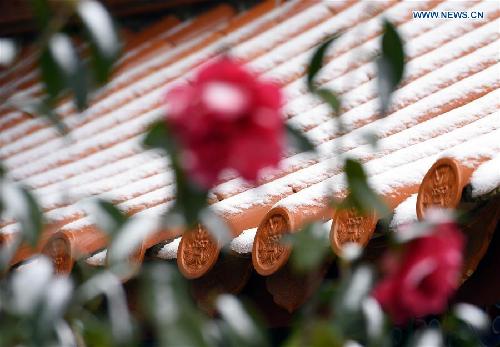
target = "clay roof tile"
x: 439, y: 137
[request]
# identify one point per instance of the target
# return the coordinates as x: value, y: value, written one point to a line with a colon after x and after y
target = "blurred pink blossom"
x: 227, y: 118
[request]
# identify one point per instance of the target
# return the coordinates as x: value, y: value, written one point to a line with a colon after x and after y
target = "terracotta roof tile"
x: 251, y: 17
x: 151, y: 33
x: 447, y: 106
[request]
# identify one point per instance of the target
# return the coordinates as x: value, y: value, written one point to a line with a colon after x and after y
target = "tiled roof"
x: 447, y: 106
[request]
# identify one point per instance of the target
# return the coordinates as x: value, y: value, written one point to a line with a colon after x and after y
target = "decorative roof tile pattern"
x: 447, y: 106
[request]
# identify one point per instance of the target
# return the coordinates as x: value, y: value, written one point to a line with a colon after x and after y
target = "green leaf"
x: 79, y: 84
x: 105, y: 44
x: 393, y: 51
x: 108, y: 217
x: 20, y: 203
x: 233, y: 313
x: 298, y: 140
x: 32, y: 219
x: 330, y: 98
x: 167, y: 305
x: 158, y: 136
x: 40, y: 108
x: 313, y: 69
x: 427, y: 337
x: 349, y: 302
x: 310, y: 247
x: 52, y: 78
x: 2, y: 174
x: 318, y: 333
x: 361, y: 196
x: 62, y: 70
x: 45, y: 110
x: 101, y: 66
x: 69, y: 66
x: 472, y: 316
x: 108, y: 284
x: 317, y: 61
x: 191, y: 199
x: 372, y: 139
x: 390, y: 64
x: 94, y: 331
x: 460, y: 331
x: 41, y: 12
x: 353, y: 289
x: 8, y: 52
x: 216, y: 226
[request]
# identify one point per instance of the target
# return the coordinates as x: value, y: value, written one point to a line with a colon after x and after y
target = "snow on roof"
x: 446, y: 106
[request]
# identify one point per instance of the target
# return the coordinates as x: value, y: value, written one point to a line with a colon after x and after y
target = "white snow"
x: 153, y: 84
x: 107, y: 159
x: 486, y: 177
x: 399, y: 137
x: 405, y: 212
x: 169, y: 250
x: 278, y: 33
x: 406, y: 166
x: 243, y: 243
x: 30, y: 284
x: 444, y: 59
x: 97, y: 259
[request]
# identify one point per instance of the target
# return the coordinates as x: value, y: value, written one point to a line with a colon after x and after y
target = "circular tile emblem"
x: 269, y: 253
x: 441, y: 187
x: 197, y: 253
x: 350, y: 227
x: 59, y: 250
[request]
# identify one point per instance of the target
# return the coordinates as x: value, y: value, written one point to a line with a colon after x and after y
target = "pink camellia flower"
x: 423, y: 279
x: 226, y: 118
